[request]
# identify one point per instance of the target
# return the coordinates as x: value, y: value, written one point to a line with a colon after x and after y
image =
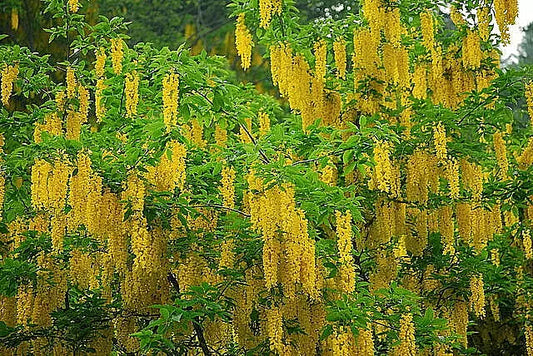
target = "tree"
x: 153, y: 203
x: 525, y: 50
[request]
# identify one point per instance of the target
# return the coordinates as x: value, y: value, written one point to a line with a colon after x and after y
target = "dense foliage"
x: 380, y: 203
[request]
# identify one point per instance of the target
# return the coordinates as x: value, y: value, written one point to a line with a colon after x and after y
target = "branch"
x: 221, y: 207
x: 197, y: 325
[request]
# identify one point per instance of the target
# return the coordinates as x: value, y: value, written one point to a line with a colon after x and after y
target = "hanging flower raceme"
x: 407, y: 346
x: 227, y: 188
x: 61, y: 100
x: 320, y: 52
x: 477, y: 298
x: 264, y: 123
x: 428, y: 29
x: 71, y: 82
x: 472, y: 54
x: 52, y: 124
x: 527, y: 243
x: 99, y: 66
x: 501, y: 154
x: 452, y: 175
x: 382, y: 178
x: 243, y: 42
x: 344, y: 244
x: 274, y: 326
x: 170, y: 99
x: 131, y: 92
x: 484, y: 18
x: 73, y: 125
x: 9, y: 74
x: 268, y: 8
x: 529, y: 100
x: 420, y: 82
x: 83, y: 99
x: 98, y: 99
x: 288, y: 251
x: 439, y: 138
x: 505, y: 12
x: 117, y: 54
x: 2, y: 176
x: 529, y: 339
x: 339, y: 52
x: 169, y: 173
x: 14, y: 19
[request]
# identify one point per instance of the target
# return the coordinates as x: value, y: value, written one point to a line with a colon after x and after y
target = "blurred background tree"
x: 525, y: 50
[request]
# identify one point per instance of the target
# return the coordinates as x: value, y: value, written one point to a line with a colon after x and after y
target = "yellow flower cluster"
x: 456, y: 16
x: 439, y: 138
x: 82, y: 270
x: 169, y: 173
x: 428, y: 29
x: 407, y: 346
x: 392, y: 26
x: 526, y: 157
x: 245, y: 131
x: 243, y: 42
x: 477, y: 298
x: 73, y: 5
x: 344, y: 244
x: 99, y: 66
x: 274, y: 326
x: 339, y: 52
x: 505, y: 12
x: 49, y: 184
x: 83, y: 98
x: 396, y: 63
x: 452, y: 175
x: 459, y: 320
x: 288, y: 251
x: 14, y: 19
x: 71, y: 82
x: 98, y: 99
x: 196, y: 133
x: 365, y: 342
x: 227, y: 256
x: 227, y: 188
x: 528, y: 245
x: 9, y: 74
x: 484, y: 18
x: 264, y: 123
x: 305, y: 92
x: 131, y: 91
x: 170, y: 99
x: 221, y: 136
x: 383, y: 171
x: 117, y: 54
x: 529, y: 339
x: 472, y: 54
x: 420, y: 82
x: 320, y: 52
x: 472, y: 177
x: 61, y: 100
x: 329, y: 174
x: 422, y: 176
x: 529, y: 100
x: 501, y: 154
x: 268, y: 8
x: 52, y: 124
x: 84, y: 186
x: 73, y: 125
